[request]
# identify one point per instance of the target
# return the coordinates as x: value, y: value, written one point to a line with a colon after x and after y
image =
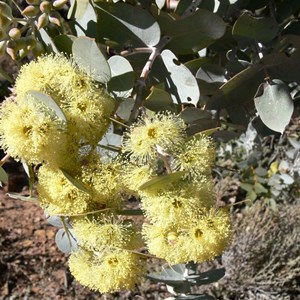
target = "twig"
x: 141, y: 82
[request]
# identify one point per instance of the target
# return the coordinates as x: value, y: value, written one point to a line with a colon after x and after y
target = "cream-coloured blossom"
x: 31, y: 131
x: 107, y: 271
x: 179, y: 204
x: 106, y: 232
x: 147, y: 137
x: 104, y: 179
x: 57, y: 195
x: 86, y: 105
x: 202, y: 239
x: 196, y: 156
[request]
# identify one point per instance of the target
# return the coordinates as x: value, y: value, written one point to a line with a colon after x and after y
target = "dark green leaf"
x: 191, y: 114
x: 64, y: 43
x: 159, y: 100
x: 274, y: 105
x: 136, y: 20
x: 193, y: 33
x: 88, y: 56
x: 250, y: 28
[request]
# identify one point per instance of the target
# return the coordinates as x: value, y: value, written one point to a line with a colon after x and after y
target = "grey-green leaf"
x: 88, y: 56
x: 17, y: 196
x: 181, y: 82
x: 122, y: 76
x: 3, y: 175
x: 65, y: 241
x: 49, y: 102
x: 274, y: 105
x: 74, y: 181
x: 161, y: 181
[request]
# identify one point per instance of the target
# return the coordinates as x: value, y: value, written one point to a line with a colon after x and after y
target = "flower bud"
x: 15, y: 33
x: 30, y: 11
x: 45, y: 7
x: 23, y: 52
x: 3, y: 47
x: 59, y: 4
x: 42, y: 21
x: 54, y: 20
x: 11, y: 49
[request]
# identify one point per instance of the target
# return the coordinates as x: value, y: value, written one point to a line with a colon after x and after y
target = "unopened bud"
x: 45, y: 7
x: 5, y: 10
x: 30, y: 11
x: 11, y: 52
x: 3, y: 47
x: 59, y: 4
x: 54, y: 20
x: 23, y: 52
x: 38, y: 49
x: 42, y: 21
x: 15, y: 33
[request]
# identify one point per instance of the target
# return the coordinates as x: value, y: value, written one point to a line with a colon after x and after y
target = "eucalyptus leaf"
x: 251, y: 28
x: 88, y: 56
x: 122, y: 76
x: 3, y: 175
x: 192, y: 33
x: 75, y: 182
x: 181, y: 82
x: 160, y: 3
x: 125, y: 108
x: 138, y: 21
x: 64, y: 43
x: 48, y: 42
x: 6, y: 76
x: 159, y: 100
x: 274, y: 105
x: 17, y: 196
x: 191, y: 114
x: 65, y: 241
x: 49, y: 102
x: 81, y: 8
x: 161, y: 181
x: 58, y: 221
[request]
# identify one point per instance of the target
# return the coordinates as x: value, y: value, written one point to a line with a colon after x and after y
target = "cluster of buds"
x: 17, y: 36
x: 44, y: 12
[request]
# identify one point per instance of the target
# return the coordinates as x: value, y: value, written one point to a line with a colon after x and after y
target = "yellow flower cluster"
x: 73, y: 180
x: 171, y: 174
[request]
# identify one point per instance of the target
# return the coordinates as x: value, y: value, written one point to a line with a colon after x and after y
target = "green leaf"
x: 125, y: 108
x: 159, y: 100
x: 193, y: 33
x: 88, y: 56
x: 250, y: 28
x: 49, y: 102
x: 259, y: 188
x: 122, y: 76
x: 17, y: 196
x: 181, y: 82
x: 135, y: 19
x: 191, y: 114
x: 81, y: 8
x: 75, y: 182
x: 48, y: 42
x: 247, y: 187
x: 207, y: 277
x: 274, y: 105
x: 130, y: 212
x: 6, y: 76
x: 64, y: 43
x: 161, y: 181
x: 239, y: 89
x: 3, y: 175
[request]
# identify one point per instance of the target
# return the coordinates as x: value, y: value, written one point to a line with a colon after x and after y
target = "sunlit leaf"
x: 181, y: 82
x: 88, y: 56
x: 65, y: 241
x: 274, y: 105
x: 49, y: 102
